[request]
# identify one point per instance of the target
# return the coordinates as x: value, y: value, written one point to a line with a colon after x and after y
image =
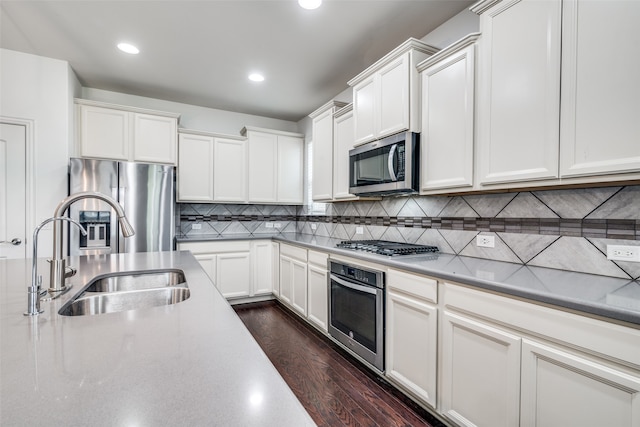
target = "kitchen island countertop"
x: 608, y: 297
x: 190, y: 363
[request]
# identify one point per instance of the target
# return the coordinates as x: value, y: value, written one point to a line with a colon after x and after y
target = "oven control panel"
x: 358, y: 274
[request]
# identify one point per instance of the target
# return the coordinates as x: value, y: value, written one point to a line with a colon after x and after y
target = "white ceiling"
x: 200, y: 52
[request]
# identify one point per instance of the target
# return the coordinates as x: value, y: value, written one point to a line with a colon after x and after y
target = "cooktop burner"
x: 383, y: 247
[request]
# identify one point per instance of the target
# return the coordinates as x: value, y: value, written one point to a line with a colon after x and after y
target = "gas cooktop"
x: 383, y: 247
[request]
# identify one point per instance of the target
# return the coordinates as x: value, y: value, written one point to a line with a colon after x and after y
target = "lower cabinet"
x: 239, y: 269
x: 480, y: 373
x: 412, y: 334
x: 506, y: 362
x: 293, y: 277
x: 317, y: 286
x: 561, y: 387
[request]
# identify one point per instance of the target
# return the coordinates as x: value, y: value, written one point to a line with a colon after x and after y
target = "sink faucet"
x: 33, y: 291
x: 58, y: 268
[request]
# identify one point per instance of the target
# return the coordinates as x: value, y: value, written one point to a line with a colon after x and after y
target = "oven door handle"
x: 355, y: 287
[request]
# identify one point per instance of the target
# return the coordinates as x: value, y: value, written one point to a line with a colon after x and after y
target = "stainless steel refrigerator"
x: 145, y: 191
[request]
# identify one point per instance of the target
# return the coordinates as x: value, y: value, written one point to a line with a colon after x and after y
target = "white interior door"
x: 12, y: 191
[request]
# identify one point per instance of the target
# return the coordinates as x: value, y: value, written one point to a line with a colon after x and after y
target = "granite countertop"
x: 608, y: 297
x: 190, y: 363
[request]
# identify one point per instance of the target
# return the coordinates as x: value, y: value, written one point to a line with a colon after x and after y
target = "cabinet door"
x: 195, y: 168
x: 411, y: 347
x: 392, y: 112
x: 263, y: 162
x: 317, y: 283
x: 290, y: 170
x: 208, y: 263
x: 261, y: 253
x: 322, y: 185
x: 154, y: 138
x: 229, y: 170
x: 342, y: 143
x: 275, y: 268
x: 519, y: 91
x: 600, y: 130
x: 364, y: 111
x: 562, y: 388
x: 480, y: 373
x: 447, y: 122
x: 104, y: 133
x: 299, y: 285
x: 233, y: 274
x: 286, y: 279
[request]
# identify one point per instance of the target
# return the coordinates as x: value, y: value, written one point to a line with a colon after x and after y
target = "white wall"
x: 41, y: 90
x: 192, y: 116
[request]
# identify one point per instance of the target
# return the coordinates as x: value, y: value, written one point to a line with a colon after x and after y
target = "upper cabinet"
x: 386, y: 95
x: 599, y: 128
x: 108, y: 131
x: 549, y: 110
x: 342, y: 143
x: 448, y: 101
x: 323, y: 146
x: 265, y: 166
x: 211, y: 168
x: 275, y: 166
x: 518, y: 90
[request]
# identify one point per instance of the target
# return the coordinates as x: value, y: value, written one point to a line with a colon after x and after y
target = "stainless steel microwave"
x: 386, y: 166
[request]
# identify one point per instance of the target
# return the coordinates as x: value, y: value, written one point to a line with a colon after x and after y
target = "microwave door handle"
x: 366, y: 289
x: 391, y: 163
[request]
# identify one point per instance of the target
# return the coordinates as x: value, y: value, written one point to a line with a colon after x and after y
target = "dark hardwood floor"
x: 335, y: 388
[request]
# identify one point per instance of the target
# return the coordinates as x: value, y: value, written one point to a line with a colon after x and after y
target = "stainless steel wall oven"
x: 356, y: 311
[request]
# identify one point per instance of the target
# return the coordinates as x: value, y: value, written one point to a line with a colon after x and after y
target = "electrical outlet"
x: 269, y: 225
x: 314, y: 226
x: 359, y: 230
x: 485, y: 241
x: 623, y: 253
x: 196, y: 226
x: 277, y: 225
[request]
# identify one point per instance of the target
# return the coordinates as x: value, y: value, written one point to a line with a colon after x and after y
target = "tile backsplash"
x: 562, y: 229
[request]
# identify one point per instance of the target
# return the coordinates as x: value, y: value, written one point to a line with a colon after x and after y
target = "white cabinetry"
x: 276, y: 166
x: 323, y: 151
x: 239, y: 269
x: 446, y: 145
x: 561, y: 387
x: 518, y: 90
x: 342, y: 142
x: 412, y: 334
x: 317, y: 312
x: 385, y: 95
x: 108, y: 131
x: 600, y: 130
x: 507, y: 362
x: 293, y: 277
x: 480, y: 373
x: 195, y: 168
x: 229, y: 170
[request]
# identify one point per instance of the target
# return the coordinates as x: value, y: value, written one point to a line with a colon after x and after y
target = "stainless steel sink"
x: 111, y: 302
x: 131, y: 281
x: 124, y: 291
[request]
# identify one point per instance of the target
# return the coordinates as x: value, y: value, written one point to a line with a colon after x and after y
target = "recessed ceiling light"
x: 128, y: 48
x: 256, y: 77
x: 310, y: 4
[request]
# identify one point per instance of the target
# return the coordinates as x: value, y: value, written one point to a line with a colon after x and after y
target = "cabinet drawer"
x: 293, y: 252
x: 412, y: 284
x: 318, y: 258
